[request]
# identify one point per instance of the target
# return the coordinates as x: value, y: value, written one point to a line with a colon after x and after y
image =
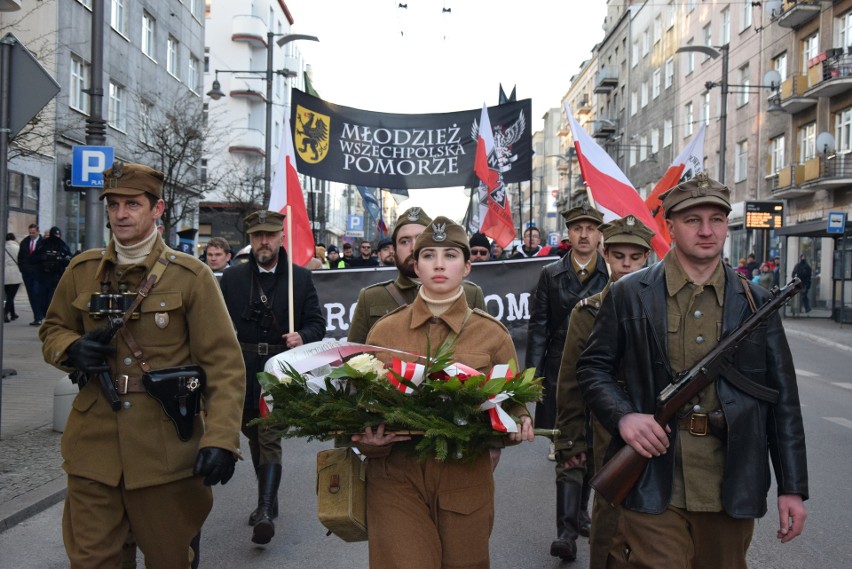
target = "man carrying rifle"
x: 707, y: 478
x: 138, y: 455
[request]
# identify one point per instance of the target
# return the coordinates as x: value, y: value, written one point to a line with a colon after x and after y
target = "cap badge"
x: 117, y: 169
x: 440, y: 232
x: 414, y: 214
x: 261, y: 217
x: 630, y: 220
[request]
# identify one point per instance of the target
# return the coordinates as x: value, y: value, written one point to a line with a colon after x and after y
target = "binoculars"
x: 104, y: 304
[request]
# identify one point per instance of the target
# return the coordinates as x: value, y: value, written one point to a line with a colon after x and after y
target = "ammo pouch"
x: 178, y: 389
x: 342, y: 493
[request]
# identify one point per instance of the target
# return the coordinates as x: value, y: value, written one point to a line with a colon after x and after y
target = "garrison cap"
x: 127, y: 179
x: 627, y: 231
x: 582, y: 213
x: 700, y: 190
x: 411, y: 215
x: 443, y: 232
x: 270, y: 221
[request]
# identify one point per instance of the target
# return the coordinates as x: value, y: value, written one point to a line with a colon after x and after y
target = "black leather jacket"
x: 630, y: 335
x: 559, y: 289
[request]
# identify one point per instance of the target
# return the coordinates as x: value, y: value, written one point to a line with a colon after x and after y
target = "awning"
x: 816, y: 228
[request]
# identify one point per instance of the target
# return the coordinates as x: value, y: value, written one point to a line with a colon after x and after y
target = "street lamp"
x: 216, y: 93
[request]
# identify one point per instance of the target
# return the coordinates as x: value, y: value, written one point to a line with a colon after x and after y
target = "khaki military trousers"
x: 677, y: 539
x: 429, y: 515
x: 604, y: 516
x: 163, y: 519
x: 264, y: 442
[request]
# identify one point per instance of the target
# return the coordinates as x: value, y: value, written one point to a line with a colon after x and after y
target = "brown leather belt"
x: 263, y: 349
x: 128, y: 384
x: 703, y: 424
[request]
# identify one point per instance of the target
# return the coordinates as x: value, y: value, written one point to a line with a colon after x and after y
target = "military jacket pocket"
x: 465, y: 501
x: 162, y: 320
x: 85, y: 399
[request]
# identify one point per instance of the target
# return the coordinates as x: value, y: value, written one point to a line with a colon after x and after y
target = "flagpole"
x: 591, y: 197
x: 291, y: 320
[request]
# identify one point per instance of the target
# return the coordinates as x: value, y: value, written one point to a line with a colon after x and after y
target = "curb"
x: 31, y: 503
x: 817, y: 339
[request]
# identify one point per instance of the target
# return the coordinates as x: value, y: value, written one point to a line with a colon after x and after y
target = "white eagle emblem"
x: 440, y: 232
x: 503, y: 141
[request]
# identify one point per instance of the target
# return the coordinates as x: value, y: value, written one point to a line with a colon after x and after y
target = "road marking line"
x: 804, y: 373
x: 840, y: 421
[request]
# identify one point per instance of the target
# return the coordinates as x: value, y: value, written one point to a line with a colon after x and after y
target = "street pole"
x: 267, y: 159
x: 96, y: 125
x: 723, y: 114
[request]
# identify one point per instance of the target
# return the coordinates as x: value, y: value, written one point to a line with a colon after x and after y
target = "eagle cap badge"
x: 439, y: 232
x: 414, y: 214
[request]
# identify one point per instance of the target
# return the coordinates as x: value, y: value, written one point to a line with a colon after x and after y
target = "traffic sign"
x: 836, y: 222
x: 88, y: 164
x: 31, y: 89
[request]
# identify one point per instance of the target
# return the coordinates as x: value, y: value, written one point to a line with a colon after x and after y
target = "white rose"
x: 366, y: 363
x: 285, y: 379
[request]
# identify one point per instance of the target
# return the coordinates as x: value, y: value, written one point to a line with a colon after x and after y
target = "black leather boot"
x: 584, y: 526
x: 567, y: 512
x: 255, y: 515
x: 268, y: 480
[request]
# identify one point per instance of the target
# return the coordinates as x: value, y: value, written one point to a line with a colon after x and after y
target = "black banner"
x: 385, y: 150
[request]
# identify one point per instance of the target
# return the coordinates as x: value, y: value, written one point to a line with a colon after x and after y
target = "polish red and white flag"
x: 687, y: 165
x: 495, y: 214
x: 287, y: 190
x: 610, y: 190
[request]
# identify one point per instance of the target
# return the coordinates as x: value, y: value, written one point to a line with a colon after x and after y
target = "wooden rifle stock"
x: 615, y: 480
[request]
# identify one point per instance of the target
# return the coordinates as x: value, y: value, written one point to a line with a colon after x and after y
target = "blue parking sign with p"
x: 88, y: 164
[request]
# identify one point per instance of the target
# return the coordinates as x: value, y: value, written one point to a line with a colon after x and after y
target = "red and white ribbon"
x: 500, y: 420
x: 413, y: 372
x: 501, y: 370
x: 265, y: 405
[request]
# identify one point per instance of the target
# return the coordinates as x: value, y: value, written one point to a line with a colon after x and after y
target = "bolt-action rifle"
x: 619, y: 475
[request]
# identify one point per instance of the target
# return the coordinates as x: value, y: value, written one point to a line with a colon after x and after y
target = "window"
x: 807, y: 142
x: 708, y: 39
x: 195, y: 8
x: 655, y: 140
x: 658, y: 29
x: 688, y: 117
x: 206, y: 60
x: 118, y: 17
x: 643, y: 148
x: 634, y: 103
x: 78, y: 99
x: 844, y: 31
x: 655, y: 84
x: 631, y: 152
x: 668, y: 133
x: 148, y: 38
x: 705, y: 108
x: 745, y: 17
x: 646, y: 43
x: 690, y: 59
x: 634, y: 54
x: 31, y: 192
x: 193, y: 76
x: 745, y: 82
x: 777, y: 154
x: 672, y: 15
x: 726, y: 26
x: 643, y: 97
x: 843, y: 130
x: 810, y: 49
x: 145, y: 135
x: 117, y: 118
x: 741, y: 164
x: 779, y: 64
x: 172, y: 56
x: 669, y: 72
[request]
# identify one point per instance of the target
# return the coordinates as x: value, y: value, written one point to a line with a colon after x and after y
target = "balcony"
x: 606, y: 79
x: 793, y: 99
x: 796, y: 14
x: 247, y: 141
x: 248, y: 94
x: 831, y: 76
x: 603, y: 128
x: 249, y: 29
x: 828, y: 172
x: 785, y: 183
x: 584, y: 105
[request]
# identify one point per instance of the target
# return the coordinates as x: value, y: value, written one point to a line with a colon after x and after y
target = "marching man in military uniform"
x: 256, y: 294
x: 134, y: 462
x: 381, y: 298
x: 627, y: 245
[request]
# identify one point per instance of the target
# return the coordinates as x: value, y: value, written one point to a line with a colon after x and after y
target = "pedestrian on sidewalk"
x: 803, y: 272
x: 139, y: 466
x: 32, y: 274
x: 12, y: 278
x: 53, y: 256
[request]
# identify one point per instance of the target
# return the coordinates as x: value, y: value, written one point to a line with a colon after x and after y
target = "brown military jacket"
x: 570, y: 409
x: 139, y: 442
x: 375, y: 301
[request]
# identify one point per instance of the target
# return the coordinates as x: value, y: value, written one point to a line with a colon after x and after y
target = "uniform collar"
x: 454, y: 317
x: 402, y: 282
x: 676, y: 277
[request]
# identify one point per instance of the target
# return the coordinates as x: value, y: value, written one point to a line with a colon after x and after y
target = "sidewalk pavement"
x: 31, y: 475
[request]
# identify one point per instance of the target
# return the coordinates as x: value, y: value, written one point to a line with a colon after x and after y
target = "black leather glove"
x: 89, y: 353
x: 215, y: 465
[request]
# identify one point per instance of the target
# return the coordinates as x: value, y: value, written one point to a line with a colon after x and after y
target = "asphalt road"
x: 524, y: 525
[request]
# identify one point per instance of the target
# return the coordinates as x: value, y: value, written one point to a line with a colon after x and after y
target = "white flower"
x: 285, y: 379
x: 366, y: 363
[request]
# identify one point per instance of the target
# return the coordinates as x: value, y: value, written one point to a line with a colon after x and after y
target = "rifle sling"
x: 395, y: 295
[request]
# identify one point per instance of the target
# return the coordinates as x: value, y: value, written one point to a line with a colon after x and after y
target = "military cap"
x: 700, y: 190
x: 582, y: 213
x: 127, y: 179
x: 411, y: 215
x: 627, y: 231
x: 270, y: 221
x: 443, y: 232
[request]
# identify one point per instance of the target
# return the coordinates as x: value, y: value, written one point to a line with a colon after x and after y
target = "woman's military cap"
x: 443, y: 232
x: 627, y: 231
x: 269, y: 221
x: 700, y: 190
x: 128, y: 179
